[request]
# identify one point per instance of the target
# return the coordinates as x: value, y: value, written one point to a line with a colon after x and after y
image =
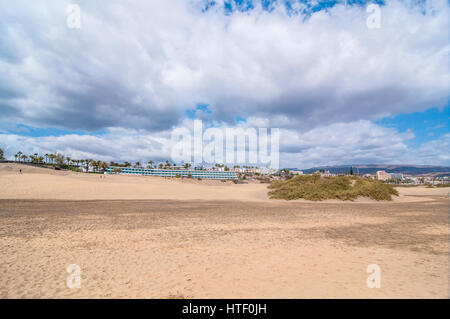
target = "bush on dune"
x: 314, y: 187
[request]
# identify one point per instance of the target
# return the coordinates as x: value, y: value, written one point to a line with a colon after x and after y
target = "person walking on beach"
x: 20, y: 171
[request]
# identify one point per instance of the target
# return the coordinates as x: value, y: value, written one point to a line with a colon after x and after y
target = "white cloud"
x: 142, y: 64
x: 134, y: 68
x: 360, y: 142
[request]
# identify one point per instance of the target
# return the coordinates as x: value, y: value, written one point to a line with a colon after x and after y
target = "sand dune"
x: 150, y: 237
x: 41, y: 183
x: 424, y: 191
x: 222, y: 249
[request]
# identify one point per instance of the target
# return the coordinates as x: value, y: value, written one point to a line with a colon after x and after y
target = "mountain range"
x: 390, y: 168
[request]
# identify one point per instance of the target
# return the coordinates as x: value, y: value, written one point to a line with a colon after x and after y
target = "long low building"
x: 172, y: 172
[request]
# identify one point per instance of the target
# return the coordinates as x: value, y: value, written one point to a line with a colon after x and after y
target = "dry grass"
x: 314, y: 187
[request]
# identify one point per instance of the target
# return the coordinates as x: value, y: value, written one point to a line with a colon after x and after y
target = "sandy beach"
x: 41, y: 183
x: 148, y: 237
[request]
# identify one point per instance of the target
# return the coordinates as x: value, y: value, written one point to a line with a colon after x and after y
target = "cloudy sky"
x: 115, y: 88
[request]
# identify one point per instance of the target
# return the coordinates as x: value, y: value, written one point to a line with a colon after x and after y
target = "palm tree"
x: 2, y: 152
x: 52, y: 158
x: 137, y: 165
x: 59, y: 159
x: 150, y: 164
x: 95, y: 165
x: 24, y: 157
x: 102, y: 165
x: 19, y: 154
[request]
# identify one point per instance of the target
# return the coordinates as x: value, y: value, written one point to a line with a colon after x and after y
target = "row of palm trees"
x: 61, y: 160
x: 150, y: 165
x: 34, y: 158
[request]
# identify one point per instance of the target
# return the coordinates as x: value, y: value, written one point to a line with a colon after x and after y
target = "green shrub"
x: 70, y: 167
x: 314, y: 187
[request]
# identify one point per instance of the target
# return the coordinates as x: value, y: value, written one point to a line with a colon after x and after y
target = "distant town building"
x: 325, y: 173
x: 396, y: 175
x: 268, y: 171
x: 172, y: 172
x: 383, y: 176
x: 253, y: 170
x: 297, y: 172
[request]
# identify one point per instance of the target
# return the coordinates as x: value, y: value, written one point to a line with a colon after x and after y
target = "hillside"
x: 373, y: 168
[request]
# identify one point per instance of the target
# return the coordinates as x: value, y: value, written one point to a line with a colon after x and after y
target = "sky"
x: 116, y: 88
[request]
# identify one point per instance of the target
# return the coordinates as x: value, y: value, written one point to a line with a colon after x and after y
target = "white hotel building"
x: 172, y: 172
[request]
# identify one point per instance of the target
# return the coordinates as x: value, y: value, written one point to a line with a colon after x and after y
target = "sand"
x: 41, y: 183
x: 160, y: 238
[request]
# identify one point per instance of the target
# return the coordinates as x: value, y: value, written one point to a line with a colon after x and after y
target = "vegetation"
x: 58, y: 160
x: 71, y: 168
x: 314, y: 187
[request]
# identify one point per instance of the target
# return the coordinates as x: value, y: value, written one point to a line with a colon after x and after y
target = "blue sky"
x: 426, y: 126
x: 315, y: 70
x: 289, y: 5
x: 25, y: 130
